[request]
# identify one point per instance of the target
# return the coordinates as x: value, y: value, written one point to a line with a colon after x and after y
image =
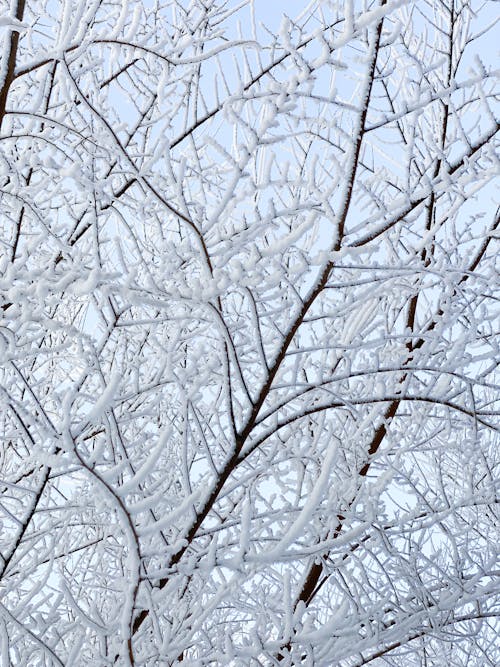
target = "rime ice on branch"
x: 248, y: 334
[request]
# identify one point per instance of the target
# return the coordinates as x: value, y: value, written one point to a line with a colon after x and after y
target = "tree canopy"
x: 249, y: 333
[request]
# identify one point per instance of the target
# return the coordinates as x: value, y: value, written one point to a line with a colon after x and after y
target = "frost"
x: 147, y: 466
x: 105, y: 400
x: 171, y: 517
x: 248, y: 333
x: 11, y: 22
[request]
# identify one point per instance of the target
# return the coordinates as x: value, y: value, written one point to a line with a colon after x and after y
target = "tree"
x: 248, y: 334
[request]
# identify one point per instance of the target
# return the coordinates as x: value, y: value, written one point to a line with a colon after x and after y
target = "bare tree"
x: 248, y: 346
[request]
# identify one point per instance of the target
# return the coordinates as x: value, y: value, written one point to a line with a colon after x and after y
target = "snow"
x: 105, y: 400
x: 248, y: 342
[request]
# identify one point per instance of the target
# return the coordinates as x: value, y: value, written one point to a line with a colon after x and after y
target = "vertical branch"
x: 10, y: 59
